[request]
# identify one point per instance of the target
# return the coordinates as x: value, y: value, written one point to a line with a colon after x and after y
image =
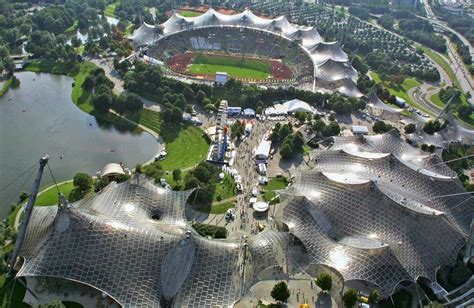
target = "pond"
x: 39, y: 118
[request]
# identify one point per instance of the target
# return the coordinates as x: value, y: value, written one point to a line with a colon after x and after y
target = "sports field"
x: 234, y: 66
x: 206, y: 65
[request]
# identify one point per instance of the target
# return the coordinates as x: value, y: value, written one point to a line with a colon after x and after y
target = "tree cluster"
x: 381, y: 127
x: 290, y: 143
x: 237, y: 129
x: 326, y: 130
x: 210, y: 230
x: 204, y: 177
x: 432, y: 127
x: 148, y: 81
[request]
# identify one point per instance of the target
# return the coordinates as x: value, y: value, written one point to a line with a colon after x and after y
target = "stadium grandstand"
x: 297, y: 54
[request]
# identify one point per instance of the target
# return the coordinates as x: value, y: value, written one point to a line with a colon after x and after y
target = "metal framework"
x: 365, y: 210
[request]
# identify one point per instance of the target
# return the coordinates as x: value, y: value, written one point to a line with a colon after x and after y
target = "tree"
x: 410, y: 128
x: 188, y: 109
x: 188, y: 94
x: 318, y: 125
x: 298, y: 142
x: 286, y: 151
x: 200, y: 96
x: 324, y: 281
x: 381, y: 127
x: 102, y: 102
x: 177, y: 175
x: 374, y: 296
x: 88, y: 83
x: 459, y: 275
x: 83, y: 181
x: 133, y: 102
x: 75, y: 41
x: 464, y: 110
x: 284, y: 131
x: 301, y: 116
x: 280, y: 292
x: 350, y: 298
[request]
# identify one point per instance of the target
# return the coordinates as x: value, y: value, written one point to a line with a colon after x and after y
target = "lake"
x: 40, y: 118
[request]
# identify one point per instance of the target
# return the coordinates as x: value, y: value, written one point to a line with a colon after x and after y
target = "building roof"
x: 249, y: 112
x: 263, y: 149
x: 376, y: 103
x: 291, y: 106
x: 370, y: 217
x: 112, y: 169
x: 360, y: 129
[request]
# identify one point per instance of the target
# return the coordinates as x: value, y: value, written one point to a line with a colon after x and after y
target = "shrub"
x: 324, y: 281
x: 280, y: 292
x: 349, y: 298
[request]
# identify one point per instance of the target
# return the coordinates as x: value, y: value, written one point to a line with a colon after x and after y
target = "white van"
x: 262, y: 169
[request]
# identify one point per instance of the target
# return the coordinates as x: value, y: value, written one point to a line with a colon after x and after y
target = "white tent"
x: 292, y: 106
x: 263, y: 149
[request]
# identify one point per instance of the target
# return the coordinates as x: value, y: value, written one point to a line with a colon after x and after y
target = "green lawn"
x: 224, y: 190
x: 6, y: 86
x: 235, y: 67
x: 189, y: 13
x: 110, y: 9
x: 129, y: 29
x: 80, y: 97
x: 185, y: 143
x: 441, y: 62
x: 276, y: 183
x: 73, y: 28
x: 401, y: 90
x: 221, y: 208
x: 436, y: 100
x: 54, y: 67
x: 50, y: 196
x: 12, y: 216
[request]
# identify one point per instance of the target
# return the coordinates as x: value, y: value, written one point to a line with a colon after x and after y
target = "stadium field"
x: 207, y: 64
x: 189, y: 13
x: 234, y: 66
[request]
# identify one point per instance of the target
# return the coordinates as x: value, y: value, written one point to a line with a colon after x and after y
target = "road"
x: 462, y: 73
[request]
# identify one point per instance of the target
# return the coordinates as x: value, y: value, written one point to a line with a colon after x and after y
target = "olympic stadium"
x: 293, y: 54
x: 371, y: 209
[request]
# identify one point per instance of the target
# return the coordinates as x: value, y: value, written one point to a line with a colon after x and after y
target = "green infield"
x: 235, y: 67
x: 189, y: 13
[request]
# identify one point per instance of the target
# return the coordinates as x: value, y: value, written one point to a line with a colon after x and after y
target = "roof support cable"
x: 54, y: 179
x: 18, y: 177
x: 451, y: 160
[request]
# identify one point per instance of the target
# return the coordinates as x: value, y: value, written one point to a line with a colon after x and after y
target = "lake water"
x: 39, y: 118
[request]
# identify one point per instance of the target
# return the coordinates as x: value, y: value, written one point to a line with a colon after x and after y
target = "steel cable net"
x: 132, y: 242
x: 368, y: 214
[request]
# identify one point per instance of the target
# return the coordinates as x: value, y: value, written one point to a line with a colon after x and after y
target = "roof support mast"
x: 28, y: 210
